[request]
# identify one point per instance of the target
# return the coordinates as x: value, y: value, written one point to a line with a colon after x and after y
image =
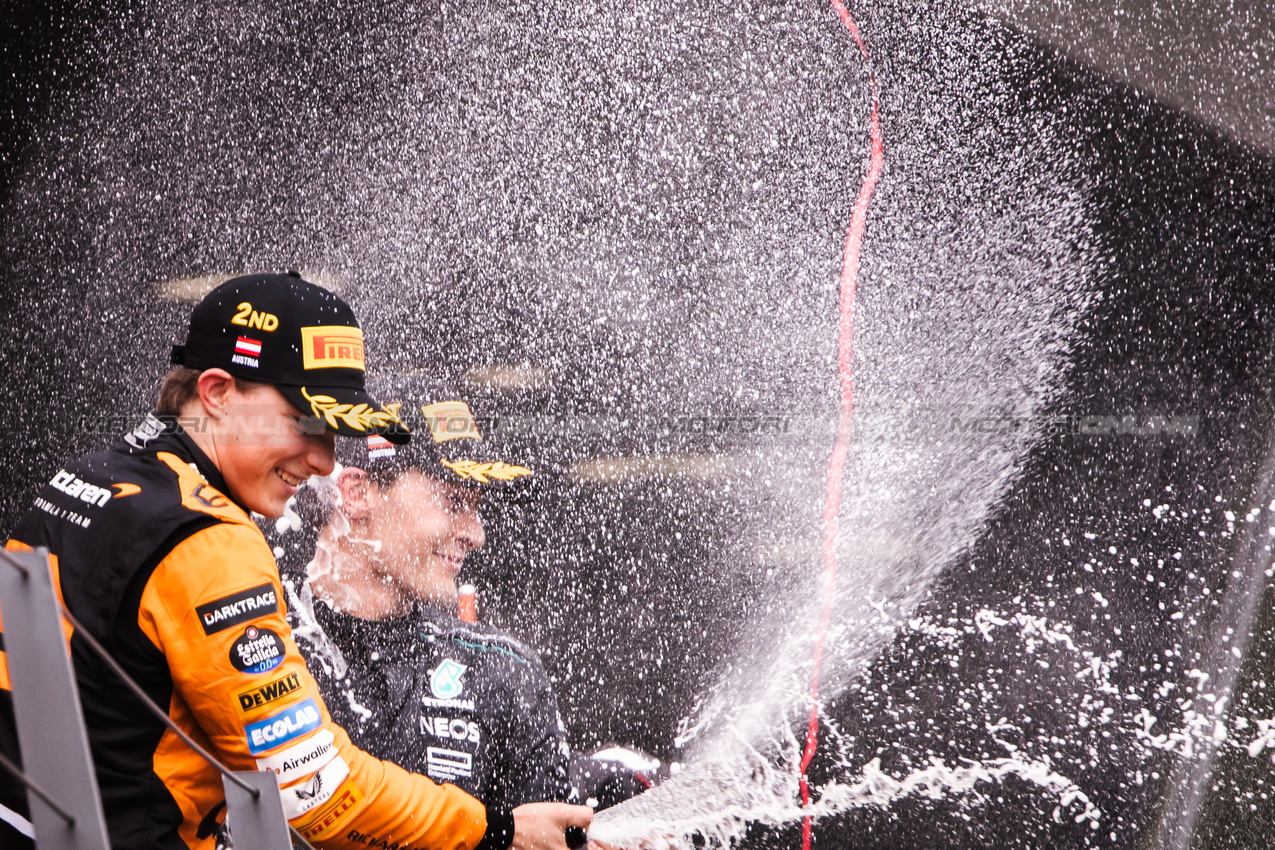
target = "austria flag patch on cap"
x: 247, y: 351
x: 379, y: 447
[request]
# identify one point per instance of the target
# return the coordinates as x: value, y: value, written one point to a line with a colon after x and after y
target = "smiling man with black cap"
x: 156, y: 555
x: 376, y: 608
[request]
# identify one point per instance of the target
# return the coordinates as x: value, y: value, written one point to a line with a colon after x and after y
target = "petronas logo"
x: 445, y: 681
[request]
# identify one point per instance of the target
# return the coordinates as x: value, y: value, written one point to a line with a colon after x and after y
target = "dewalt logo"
x: 268, y: 693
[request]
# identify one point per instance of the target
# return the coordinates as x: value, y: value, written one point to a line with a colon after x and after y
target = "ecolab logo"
x: 287, y: 725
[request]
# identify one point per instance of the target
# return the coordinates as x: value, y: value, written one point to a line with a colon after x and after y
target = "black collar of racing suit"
x: 161, y: 433
x: 359, y: 636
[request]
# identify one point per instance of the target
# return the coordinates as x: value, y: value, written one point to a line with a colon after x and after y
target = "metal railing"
x: 65, y: 806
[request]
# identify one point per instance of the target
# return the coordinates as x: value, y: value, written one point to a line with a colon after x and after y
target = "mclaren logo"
x: 83, y: 490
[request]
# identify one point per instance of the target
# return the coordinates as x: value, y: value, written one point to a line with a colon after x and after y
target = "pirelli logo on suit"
x: 238, y: 608
x: 324, y: 822
x: 269, y: 692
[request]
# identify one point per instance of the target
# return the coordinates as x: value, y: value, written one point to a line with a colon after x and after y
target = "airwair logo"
x: 301, y: 759
x: 268, y: 693
x: 230, y: 611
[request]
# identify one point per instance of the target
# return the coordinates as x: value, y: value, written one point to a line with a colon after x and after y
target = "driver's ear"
x: 357, y: 492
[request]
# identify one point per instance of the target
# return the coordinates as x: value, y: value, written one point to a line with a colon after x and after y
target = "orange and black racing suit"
x: 161, y: 566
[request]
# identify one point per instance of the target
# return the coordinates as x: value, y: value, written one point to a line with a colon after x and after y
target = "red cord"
x: 845, y: 419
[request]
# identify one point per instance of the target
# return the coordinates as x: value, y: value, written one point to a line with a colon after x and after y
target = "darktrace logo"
x: 229, y: 611
x: 268, y: 693
x: 257, y: 651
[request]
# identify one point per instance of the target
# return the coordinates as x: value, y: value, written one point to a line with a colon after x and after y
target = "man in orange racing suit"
x: 156, y: 556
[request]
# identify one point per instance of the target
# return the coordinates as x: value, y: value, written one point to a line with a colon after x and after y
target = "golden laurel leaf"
x: 482, y: 472
x: 363, y: 417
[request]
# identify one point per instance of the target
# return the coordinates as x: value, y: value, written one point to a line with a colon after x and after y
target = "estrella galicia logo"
x: 237, y: 608
x: 257, y: 651
x: 288, y: 725
x: 445, y: 681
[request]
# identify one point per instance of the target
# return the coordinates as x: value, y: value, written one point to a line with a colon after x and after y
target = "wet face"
x: 426, y: 527
x: 264, y: 451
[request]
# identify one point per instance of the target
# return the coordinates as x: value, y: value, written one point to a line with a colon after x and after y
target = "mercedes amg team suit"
x: 159, y: 563
x: 462, y: 703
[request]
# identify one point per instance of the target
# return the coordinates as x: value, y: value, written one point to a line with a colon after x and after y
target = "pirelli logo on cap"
x: 450, y: 420
x: 238, y: 608
x: 332, y: 346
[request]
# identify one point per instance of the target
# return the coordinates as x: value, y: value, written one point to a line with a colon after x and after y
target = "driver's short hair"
x: 181, y: 386
x: 316, y: 500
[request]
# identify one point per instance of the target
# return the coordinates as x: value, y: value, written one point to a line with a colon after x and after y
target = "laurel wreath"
x: 482, y: 472
x: 361, y: 417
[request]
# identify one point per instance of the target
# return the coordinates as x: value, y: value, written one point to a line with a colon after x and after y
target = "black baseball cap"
x: 447, y: 439
x: 279, y: 329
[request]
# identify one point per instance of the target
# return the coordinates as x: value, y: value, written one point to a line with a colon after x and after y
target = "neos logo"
x: 279, y: 729
x: 451, y: 727
x: 445, y: 681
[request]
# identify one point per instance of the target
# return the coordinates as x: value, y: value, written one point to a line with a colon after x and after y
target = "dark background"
x: 1185, y: 219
